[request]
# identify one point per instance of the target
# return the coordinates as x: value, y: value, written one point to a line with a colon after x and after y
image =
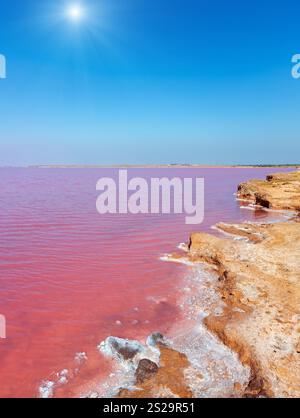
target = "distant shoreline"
x: 165, y: 166
x: 153, y: 166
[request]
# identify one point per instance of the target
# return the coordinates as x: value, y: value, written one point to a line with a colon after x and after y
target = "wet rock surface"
x: 194, y: 364
x: 168, y: 381
x: 155, y: 338
x: 121, y: 348
x: 146, y: 369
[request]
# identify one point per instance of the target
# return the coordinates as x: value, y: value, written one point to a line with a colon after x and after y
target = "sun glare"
x: 75, y: 12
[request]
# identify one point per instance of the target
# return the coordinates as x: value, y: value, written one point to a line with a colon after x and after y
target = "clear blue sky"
x: 150, y: 81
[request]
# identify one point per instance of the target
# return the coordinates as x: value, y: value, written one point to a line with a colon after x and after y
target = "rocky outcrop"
x: 279, y: 191
x: 258, y: 267
x: 120, y: 348
x: 259, y: 275
x: 166, y: 381
x: 260, y: 284
x: 158, y: 370
x: 146, y: 369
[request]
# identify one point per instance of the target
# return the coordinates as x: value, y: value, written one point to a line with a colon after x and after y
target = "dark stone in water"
x: 126, y: 349
x: 155, y: 338
x: 121, y: 348
x: 145, y: 370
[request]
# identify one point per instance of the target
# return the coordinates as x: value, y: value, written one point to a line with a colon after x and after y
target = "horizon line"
x: 170, y: 165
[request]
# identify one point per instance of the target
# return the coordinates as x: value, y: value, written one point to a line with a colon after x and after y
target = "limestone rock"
x: 260, y: 284
x: 278, y: 191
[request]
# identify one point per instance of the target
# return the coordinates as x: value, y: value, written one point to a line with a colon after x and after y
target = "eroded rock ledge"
x: 259, y: 274
x: 279, y: 191
x: 260, y: 284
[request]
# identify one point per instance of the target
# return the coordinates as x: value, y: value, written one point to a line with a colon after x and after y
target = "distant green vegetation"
x: 268, y: 165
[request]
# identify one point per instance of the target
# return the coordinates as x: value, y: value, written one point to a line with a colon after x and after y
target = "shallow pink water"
x: 68, y: 274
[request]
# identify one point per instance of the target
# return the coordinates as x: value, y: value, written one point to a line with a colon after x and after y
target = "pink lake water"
x: 70, y: 277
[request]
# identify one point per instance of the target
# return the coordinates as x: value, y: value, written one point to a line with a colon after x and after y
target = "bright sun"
x: 75, y: 12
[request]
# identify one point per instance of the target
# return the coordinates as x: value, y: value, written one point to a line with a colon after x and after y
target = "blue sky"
x: 149, y: 81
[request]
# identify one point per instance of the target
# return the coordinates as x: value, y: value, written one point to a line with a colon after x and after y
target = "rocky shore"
x: 260, y: 284
x: 279, y: 191
x: 258, y: 281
